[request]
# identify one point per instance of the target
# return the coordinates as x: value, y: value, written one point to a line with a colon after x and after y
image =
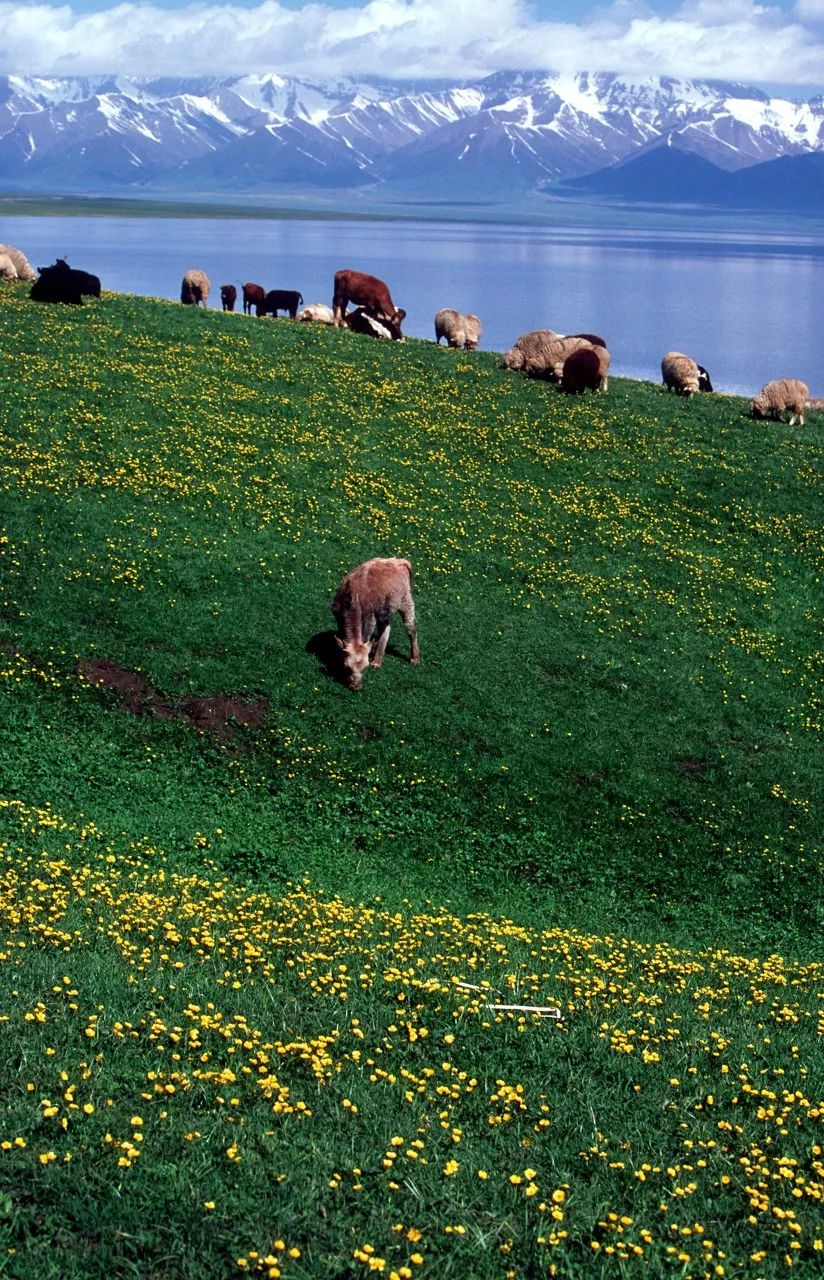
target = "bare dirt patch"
x: 217, y: 713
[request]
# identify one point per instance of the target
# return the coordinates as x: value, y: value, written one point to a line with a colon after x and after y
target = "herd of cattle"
x: 576, y: 362
x: 372, y: 592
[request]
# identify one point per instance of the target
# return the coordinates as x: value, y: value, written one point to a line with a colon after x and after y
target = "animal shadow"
x: 325, y: 648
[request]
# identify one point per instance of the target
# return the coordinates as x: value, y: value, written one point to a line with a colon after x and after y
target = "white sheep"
x: 460, y: 329
x: 316, y: 313
x: 680, y: 374
x: 24, y: 269
x: 529, y: 349
x: 779, y: 396
x: 8, y: 270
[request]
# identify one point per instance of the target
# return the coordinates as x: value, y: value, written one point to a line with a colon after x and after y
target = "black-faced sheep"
x: 460, y: 329
x: 24, y: 269
x: 316, y: 313
x: 585, y: 370
x: 680, y: 374
x: 228, y: 297
x: 780, y: 396
x: 194, y: 288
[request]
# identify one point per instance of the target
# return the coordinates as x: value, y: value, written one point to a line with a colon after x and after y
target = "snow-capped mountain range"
x: 491, y: 139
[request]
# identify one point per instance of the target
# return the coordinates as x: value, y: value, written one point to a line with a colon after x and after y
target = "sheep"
x: 316, y: 313
x: 543, y: 354
x: 194, y: 288
x: 585, y: 370
x: 460, y: 329
x: 8, y: 271
x: 527, y: 347
x: 679, y: 373
x: 777, y: 397
x: 24, y: 269
x: 704, y: 380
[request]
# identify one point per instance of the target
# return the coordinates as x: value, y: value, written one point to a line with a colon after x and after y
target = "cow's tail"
x: 300, y: 299
x: 409, y: 571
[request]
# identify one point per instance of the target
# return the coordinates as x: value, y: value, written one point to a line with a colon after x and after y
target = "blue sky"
x: 765, y: 42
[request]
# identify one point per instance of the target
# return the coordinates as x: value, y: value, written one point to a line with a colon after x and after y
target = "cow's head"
x: 393, y: 323
x: 355, y: 654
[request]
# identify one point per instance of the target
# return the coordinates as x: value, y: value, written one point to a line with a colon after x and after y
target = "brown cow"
x: 254, y: 295
x: 228, y: 297
x: 370, y: 293
x: 363, y: 604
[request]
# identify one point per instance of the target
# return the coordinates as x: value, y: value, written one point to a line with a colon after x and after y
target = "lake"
x: 748, y: 306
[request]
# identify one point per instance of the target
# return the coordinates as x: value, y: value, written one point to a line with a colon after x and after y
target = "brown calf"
x: 228, y: 297
x: 370, y: 293
x: 254, y: 295
x: 363, y: 604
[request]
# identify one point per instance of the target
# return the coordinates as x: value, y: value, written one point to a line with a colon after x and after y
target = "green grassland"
x: 234, y: 945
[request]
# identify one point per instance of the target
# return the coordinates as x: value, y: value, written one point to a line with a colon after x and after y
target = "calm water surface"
x: 749, y: 307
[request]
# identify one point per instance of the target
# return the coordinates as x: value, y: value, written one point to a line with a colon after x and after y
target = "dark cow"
x: 589, y: 337
x: 228, y: 297
x: 254, y: 295
x: 360, y: 321
x: 282, y: 300
x: 363, y: 605
x: 370, y: 293
x: 62, y: 283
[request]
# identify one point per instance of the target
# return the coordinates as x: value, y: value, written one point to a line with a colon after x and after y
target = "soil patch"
x: 217, y: 713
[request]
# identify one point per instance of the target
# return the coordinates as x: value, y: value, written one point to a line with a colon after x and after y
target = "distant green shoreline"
x: 558, y: 213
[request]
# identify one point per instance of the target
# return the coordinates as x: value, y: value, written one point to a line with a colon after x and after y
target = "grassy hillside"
x: 237, y: 897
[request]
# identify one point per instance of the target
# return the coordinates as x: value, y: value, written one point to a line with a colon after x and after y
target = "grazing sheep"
x: 360, y: 321
x: 542, y: 354
x: 254, y: 295
x: 527, y: 347
x: 24, y: 269
x: 363, y: 604
x: 316, y: 313
x: 228, y: 297
x: 194, y: 288
x: 585, y: 370
x: 704, y: 381
x: 8, y: 271
x: 817, y: 406
x: 780, y: 396
x: 460, y: 329
x: 679, y: 373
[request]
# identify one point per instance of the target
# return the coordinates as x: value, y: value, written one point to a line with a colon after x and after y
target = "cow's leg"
x: 408, y: 614
x: 381, y: 640
x: 339, y: 305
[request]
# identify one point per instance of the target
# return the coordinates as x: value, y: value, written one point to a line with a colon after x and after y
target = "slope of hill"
x: 272, y: 950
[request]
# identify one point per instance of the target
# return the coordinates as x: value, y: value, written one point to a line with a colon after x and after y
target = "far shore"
x: 532, y: 210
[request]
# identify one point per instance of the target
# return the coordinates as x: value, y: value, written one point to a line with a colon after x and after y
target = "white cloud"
x: 721, y: 39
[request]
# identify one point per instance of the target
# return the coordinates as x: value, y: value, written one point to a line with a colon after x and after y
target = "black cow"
x: 282, y: 300
x: 62, y: 283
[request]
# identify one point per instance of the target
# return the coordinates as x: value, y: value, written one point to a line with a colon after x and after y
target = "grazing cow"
x: 254, y: 295
x: 282, y: 300
x: 228, y: 297
x: 370, y: 293
x: 194, y: 289
x: 360, y: 321
x: 62, y: 283
x: 363, y: 605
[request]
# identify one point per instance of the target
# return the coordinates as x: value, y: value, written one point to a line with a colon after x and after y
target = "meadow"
x: 252, y: 924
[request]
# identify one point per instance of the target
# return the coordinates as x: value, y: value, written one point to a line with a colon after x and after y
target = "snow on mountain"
x: 509, y: 132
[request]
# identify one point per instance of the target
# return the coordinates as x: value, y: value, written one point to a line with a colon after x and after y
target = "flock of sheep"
x: 577, y: 362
